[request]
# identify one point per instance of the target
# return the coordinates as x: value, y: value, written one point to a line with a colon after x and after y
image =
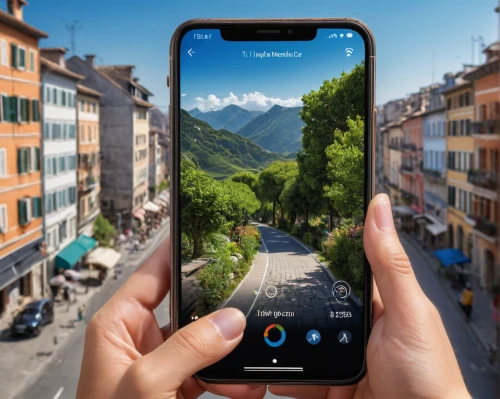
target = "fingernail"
x: 383, y: 215
x: 230, y: 323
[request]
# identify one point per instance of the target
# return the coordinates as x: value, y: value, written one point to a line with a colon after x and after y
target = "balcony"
x: 483, y: 178
x: 394, y: 146
x: 409, y: 198
x: 408, y: 147
x: 436, y: 176
x: 485, y: 226
x: 487, y: 126
x: 87, y: 184
x: 407, y: 168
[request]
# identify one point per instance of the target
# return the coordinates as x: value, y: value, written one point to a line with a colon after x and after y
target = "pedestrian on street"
x: 409, y: 354
x: 67, y: 297
x: 466, y: 300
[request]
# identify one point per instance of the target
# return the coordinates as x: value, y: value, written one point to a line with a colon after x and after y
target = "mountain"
x: 278, y: 130
x: 230, y: 118
x: 219, y: 152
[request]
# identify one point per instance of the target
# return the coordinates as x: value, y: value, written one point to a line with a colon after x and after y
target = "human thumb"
x: 189, y: 350
x: 396, y: 281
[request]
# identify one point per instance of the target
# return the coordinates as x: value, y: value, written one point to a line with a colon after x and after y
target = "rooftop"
x: 88, y: 91
x: 58, y: 69
x: 13, y: 22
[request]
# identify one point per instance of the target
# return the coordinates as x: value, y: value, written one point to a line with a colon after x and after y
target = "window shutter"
x: 37, y: 160
x: 54, y: 101
x: 37, y: 207
x: 63, y: 97
x: 13, y: 109
x: 22, y: 212
x: 32, y: 61
x: 54, y: 166
x: 22, y: 160
x: 6, y: 115
x: 13, y: 55
x: 35, y: 110
x: 22, y: 58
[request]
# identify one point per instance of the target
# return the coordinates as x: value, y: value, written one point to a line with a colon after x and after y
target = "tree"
x: 242, y: 202
x: 104, y: 231
x: 203, y: 203
x: 324, y: 111
x: 345, y: 169
x: 249, y: 178
x: 272, y: 182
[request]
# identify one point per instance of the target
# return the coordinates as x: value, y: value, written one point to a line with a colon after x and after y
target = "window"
x: 4, y: 56
x: 461, y: 100
x: 467, y: 98
x: 24, y: 211
x: 62, y: 164
x: 71, y: 131
x: 451, y: 195
x: 3, y: 162
x: 54, y: 96
x: 89, y: 133
x: 72, y: 195
x: 35, y: 110
x: 64, y: 131
x: 32, y: 61
x: 37, y: 207
x: 94, y: 108
x: 22, y: 58
x: 47, y: 95
x: 10, y: 109
x: 482, y: 158
x: 82, y: 207
x: 3, y: 219
x: 63, y: 231
x: 141, y: 114
x: 448, y: 104
x: 13, y: 55
x: 34, y: 159
x: 72, y: 162
x: 493, y: 158
x: 63, y: 97
x: 82, y: 106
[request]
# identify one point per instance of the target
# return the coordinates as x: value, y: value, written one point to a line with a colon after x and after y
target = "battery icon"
x: 349, y: 35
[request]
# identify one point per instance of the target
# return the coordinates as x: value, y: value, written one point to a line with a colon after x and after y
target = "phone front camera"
x: 290, y: 31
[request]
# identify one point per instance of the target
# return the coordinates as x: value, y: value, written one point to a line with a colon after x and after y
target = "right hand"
x: 409, y: 354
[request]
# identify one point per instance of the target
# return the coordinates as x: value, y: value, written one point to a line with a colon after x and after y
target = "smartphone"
x: 272, y: 155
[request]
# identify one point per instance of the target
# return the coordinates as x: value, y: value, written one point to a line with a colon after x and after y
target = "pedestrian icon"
x: 344, y: 337
x: 313, y: 337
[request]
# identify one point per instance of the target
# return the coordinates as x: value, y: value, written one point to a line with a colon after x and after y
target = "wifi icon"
x: 349, y: 51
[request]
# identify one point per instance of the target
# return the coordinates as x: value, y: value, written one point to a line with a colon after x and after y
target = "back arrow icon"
x: 190, y: 52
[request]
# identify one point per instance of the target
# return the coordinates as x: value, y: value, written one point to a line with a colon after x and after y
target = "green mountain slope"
x: 230, y: 118
x: 219, y: 152
x: 278, y: 130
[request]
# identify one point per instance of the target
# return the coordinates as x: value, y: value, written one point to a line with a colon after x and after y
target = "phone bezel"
x: 174, y: 110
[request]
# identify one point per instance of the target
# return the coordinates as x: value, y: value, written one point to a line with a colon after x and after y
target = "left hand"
x: 128, y: 355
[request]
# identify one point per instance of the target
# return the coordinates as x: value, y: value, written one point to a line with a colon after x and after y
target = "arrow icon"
x: 190, y: 52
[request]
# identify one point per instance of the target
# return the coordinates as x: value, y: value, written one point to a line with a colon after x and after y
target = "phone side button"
x: 168, y: 81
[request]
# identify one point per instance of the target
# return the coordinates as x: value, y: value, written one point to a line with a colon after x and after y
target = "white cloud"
x: 184, y: 94
x: 251, y: 101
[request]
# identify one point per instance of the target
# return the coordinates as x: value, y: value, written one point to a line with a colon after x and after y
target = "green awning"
x: 75, y: 251
x: 86, y: 242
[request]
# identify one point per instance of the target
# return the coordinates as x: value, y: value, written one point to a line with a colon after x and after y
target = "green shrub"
x: 249, y: 246
x: 308, y: 238
x: 344, y: 251
x: 103, y: 231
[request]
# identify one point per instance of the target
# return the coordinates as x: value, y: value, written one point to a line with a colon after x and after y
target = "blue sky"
x: 406, y: 32
x: 218, y: 74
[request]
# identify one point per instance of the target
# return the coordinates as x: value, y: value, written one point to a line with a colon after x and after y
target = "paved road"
x: 60, y: 375
x: 477, y: 374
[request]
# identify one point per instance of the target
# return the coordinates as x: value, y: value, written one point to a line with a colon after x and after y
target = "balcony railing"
x: 435, y: 175
x: 488, y: 126
x: 407, y: 168
x: 396, y: 147
x: 483, y: 178
x: 409, y: 198
x: 485, y: 226
x: 409, y: 146
x: 87, y: 184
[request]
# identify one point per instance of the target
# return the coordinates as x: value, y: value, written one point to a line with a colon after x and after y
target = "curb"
x: 472, y: 327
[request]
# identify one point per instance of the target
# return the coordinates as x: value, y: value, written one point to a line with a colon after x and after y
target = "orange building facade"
x: 22, y: 274
x: 485, y: 171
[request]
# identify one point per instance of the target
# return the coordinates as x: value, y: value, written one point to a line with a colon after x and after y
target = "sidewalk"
x: 481, y: 322
x: 24, y: 357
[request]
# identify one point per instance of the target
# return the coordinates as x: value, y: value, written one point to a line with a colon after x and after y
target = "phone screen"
x: 272, y: 198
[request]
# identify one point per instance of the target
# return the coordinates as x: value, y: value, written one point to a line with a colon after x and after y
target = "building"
x: 59, y: 152
x: 394, y: 141
x: 157, y: 128
x: 434, y: 170
x: 459, y: 102
x: 89, y: 158
x: 22, y: 274
x: 483, y: 171
x: 124, y: 132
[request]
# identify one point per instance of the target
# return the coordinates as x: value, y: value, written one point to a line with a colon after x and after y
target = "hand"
x: 127, y: 355
x: 409, y: 354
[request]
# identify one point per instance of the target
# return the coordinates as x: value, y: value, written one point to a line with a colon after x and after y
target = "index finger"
x: 150, y: 283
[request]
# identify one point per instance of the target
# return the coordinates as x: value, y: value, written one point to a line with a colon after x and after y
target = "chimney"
x: 136, y: 79
x: 90, y: 59
x: 15, y: 8
x: 56, y: 55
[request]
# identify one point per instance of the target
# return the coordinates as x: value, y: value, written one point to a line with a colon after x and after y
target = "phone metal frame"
x: 174, y: 127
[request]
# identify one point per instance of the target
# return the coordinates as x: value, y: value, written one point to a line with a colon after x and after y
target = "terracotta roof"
x: 88, y: 91
x: 12, y: 21
x: 56, y: 68
x: 142, y: 103
x: 141, y: 87
x: 53, y: 49
x: 483, y: 69
x: 461, y: 85
x: 114, y: 67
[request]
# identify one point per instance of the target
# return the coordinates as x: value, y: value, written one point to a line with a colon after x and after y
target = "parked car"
x: 33, y: 317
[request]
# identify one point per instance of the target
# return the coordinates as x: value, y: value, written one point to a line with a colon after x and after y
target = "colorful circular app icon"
x: 313, y: 337
x: 275, y: 344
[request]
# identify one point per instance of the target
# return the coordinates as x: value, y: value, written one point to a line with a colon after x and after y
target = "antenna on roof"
x: 72, y: 28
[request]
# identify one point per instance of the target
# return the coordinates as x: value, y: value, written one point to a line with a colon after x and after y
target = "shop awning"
x: 451, y: 256
x: 159, y: 201
x: 402, y: 210
x: 149, y: 206
x: 139, y: 215
x: 69, y: 256
x: 165, y: 196
x: 436, y: 229
x: 104, y: 257
x: 434, y: 226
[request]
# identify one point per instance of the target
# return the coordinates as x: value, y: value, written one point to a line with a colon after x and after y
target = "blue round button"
x: 313, y: 337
